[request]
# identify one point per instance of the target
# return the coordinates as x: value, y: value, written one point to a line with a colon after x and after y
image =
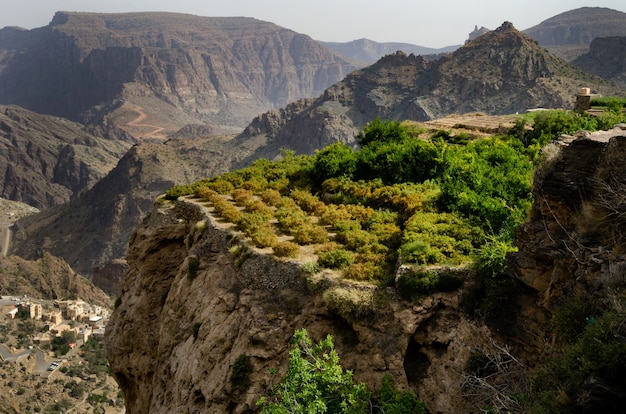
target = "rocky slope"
x: 46, y: 161
x: 501, y: 72
x: 607, y: 59
x: 244, y: 301
x: 569, y: 34
x: 107, y: 213
x: 153, y: 73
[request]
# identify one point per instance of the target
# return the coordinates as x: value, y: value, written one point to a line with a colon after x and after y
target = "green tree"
x: 315, y: 382
x: 382, y: 131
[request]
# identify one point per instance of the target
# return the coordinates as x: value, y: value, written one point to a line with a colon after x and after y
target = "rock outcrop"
x: 574, y: 242
x: 607, y: 59
x: 243, y: 301
x: 153, y: 73
x: 46, y: 161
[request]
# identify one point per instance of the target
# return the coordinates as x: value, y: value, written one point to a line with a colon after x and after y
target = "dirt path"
x: 153, y: 130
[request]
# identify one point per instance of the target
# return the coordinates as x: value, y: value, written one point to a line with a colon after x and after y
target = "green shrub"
x: 378, y: 131
x: 263, y: 238
x: 336, y: 259
x: 315, y: 382
x: 192, y: 268
x: 310, y: 268
x: 286, y: 249
x: 335, y: 160
x: 241, y: 196
x: 491, y: 258
x: 351, y: 303
x: 392, y: 401
x: 259, y: 207
x: 271, y: 196
x: 240, y: 376
x: 221, y: 186
x: 307, y: 233
x: 364, y: 271
x: 415, y: 285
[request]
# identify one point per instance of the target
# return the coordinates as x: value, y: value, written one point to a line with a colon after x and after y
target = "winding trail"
x: 138, y: 123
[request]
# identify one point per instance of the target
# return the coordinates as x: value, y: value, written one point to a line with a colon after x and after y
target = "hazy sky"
x: 434, y: 23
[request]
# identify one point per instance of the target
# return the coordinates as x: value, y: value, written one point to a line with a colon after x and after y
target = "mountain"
x: 46, y: 161
x: 93, y: 230
x: 368, y: 51
x: 153, y: 73
x: 569, y: 34
x: 606, y: 58
x: 501, y: 72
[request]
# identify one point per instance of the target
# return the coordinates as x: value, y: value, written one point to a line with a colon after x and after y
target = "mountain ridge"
x: 179, y: 69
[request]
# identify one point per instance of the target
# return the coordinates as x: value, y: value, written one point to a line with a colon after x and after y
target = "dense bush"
x: 316, y: 383
x: 286, y: 249
x: 240, y: 376
x: 414, y: 285
x: 336, y: 259
x: 587, y: 376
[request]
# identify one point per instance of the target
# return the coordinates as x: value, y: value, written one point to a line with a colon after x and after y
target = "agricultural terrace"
x: 408, y: 194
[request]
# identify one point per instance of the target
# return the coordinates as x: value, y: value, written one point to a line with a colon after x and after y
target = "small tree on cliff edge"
x: 315, y: 382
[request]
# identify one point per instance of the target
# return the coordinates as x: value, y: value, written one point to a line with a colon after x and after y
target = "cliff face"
x: 153, y: 73
x: 244, y: 302
x: 574, y: 243
x: 46, y: 161
x: 606, y: 58
x: 569, y: 34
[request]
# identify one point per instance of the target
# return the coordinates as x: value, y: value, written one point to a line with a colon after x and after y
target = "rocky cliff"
x: 569, y: 34
x: 607, y: 59
x: 236, y: 300
x: 106, y: 214
x: 46, y: 161
x: 574, y: 242
x: 242, y: 301
x: 153, y: 73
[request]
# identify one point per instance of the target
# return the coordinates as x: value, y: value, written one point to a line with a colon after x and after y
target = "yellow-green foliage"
x: 286, y: 249
x: 221, y: 186
x: 351, y: 303
x: 205, y: 193
x: 241, y: 196
x: 333, y: 214
x: 255, y: 184
x: 259, y: 207
x: 438, y: 237
x: 270, y: 196
x: 365, y: 271
x: 307, y: 201
x: 257, y: 227
x: 226, y: 209
x: 307, y: 233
